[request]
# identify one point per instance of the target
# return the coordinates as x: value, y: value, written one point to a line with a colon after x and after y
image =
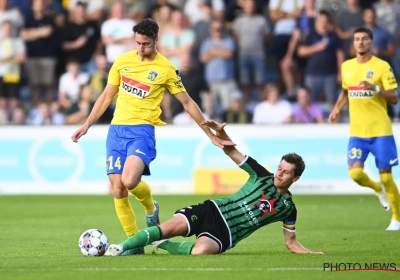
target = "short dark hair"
x: 298, y: 162
x: 325, y: 13
x: 147, y: 27
x: 364, y: 30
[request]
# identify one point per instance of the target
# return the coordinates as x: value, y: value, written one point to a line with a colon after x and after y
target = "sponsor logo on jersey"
x: 152, y: 75
x: 266, y: 205
x: 178, y: 75
x: 370, y: 74
x: 359, y: 92
x: 135, y: 88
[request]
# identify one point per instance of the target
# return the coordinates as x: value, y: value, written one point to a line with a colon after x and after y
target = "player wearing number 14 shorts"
x: 368, y: 84
x: 139, y: 77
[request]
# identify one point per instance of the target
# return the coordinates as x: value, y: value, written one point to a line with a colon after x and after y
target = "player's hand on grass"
x: 79, y: 133
x: 366, y: 85
x: 333, y: 117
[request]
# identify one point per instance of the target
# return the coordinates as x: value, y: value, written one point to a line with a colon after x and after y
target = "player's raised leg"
x: 358, y: 150
x: 177, y: 226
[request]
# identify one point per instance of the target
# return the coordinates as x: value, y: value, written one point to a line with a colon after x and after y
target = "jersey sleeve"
x: 174, y: 82
x: 388, y: 79
x: 113, y: 75
x: 290, y: 223
x: 253, y: 168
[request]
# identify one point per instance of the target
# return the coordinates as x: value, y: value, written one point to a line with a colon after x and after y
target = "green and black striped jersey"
x: 256, y: 204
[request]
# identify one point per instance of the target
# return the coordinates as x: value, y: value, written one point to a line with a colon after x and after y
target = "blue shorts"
x: 126, y: 140
x: 383, y: 148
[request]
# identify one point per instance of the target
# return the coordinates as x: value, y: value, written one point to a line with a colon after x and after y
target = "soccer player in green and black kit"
x: 222, y: 223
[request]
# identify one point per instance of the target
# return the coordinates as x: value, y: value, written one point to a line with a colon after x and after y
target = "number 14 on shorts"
x: 111, y: 164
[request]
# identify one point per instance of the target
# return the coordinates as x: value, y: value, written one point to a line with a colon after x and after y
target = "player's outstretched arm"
x: 231, y: 151
x: 294, y: 246
x: 101, y: 105
x: 194, y: 111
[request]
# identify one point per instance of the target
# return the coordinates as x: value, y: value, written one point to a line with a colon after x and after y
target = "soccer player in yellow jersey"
x: 368, y: 84
x: 140, y: 78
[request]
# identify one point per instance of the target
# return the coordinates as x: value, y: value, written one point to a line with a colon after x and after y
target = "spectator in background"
x: 388, y: 16
x: 274, y: 110
x: 80, y: 110
x: 292, y: 65
x: 177, y: 41
x: 4, y: 113
x: 95, y: 8
x: 202, y: 29
x: 384, y: 46
x: 18, y: 117
x: 11, y: 15
x: 82, y: 39
x: 44, y: 114
x: 70, y: 84
x: 307, y: 111
x: 116, y: 33
x: 237, y: 112
x: 325, y: 56
x: 164, y: 19
x: 349, y: 21
x: 251, y: 31
x: 191, y: 10
x: 12, y: 55
x: 184, y: 118
x: 195, y: 85
x: 284, y: 15
x: 217, y: 55
x: 38, y: 34
x: 154, y: 9
x: 334, y: 7
x: 234, y: 9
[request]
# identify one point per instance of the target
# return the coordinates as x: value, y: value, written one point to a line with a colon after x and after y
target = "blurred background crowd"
x: 242, y: 61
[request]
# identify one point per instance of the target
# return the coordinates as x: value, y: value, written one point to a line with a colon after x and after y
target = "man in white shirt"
x: 116, y: 33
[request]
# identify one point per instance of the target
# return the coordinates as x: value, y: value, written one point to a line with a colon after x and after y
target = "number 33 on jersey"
x: 141, y: 88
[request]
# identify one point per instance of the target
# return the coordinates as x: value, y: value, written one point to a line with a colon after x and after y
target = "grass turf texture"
x: 40, y: 235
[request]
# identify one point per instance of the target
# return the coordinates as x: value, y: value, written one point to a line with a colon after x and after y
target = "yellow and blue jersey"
x: 141, y: 88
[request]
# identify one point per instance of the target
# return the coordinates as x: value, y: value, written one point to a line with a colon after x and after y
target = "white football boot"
x: 114, y: 250
x: 394, y: 225
x: 383, y: 199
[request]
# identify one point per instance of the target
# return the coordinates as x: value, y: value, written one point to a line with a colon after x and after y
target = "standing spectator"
x: 273, y: 110
x: 11, y: 15
x: 95, y: 8
x: 251, y: 31
x: 178, y: 41
x: 292, y: 65
x: 70, y: 84
x: 237, y: 112
x: 334, y: 7
x: 191, y: 10
x: 284, y: 15
x: 217, y: 55
x: 38, y: 34
x: 154, y: 10
x: 325, y: 56
x: 234, y: 9
x: 349, y: 21
x: 384, y: 46
x: 307, y: 111
x: 82, y: 39
x: 202, y: 29
x: 12, y: 55
x: 116, y: 33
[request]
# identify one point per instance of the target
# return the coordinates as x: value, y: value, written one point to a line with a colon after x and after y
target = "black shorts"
x: 8, y: 90
x: 205, y: 219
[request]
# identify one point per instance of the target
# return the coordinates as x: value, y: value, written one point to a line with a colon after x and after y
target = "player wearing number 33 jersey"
x: 368, y: 85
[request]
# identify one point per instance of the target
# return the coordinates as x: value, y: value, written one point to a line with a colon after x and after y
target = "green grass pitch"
x: 39, y: 236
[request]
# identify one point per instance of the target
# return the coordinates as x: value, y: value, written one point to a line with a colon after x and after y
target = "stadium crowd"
x: 242, y: 61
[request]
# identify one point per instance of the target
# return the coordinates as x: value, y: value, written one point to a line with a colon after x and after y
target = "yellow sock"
x: 392, y: 194
x: 126, y: 216
x: 360, y: 177
x: 142, y: 192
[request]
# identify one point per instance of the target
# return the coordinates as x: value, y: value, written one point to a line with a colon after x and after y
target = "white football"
x: 93, y: 243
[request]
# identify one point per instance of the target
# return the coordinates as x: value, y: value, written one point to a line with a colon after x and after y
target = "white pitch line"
x: 164, y: 269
